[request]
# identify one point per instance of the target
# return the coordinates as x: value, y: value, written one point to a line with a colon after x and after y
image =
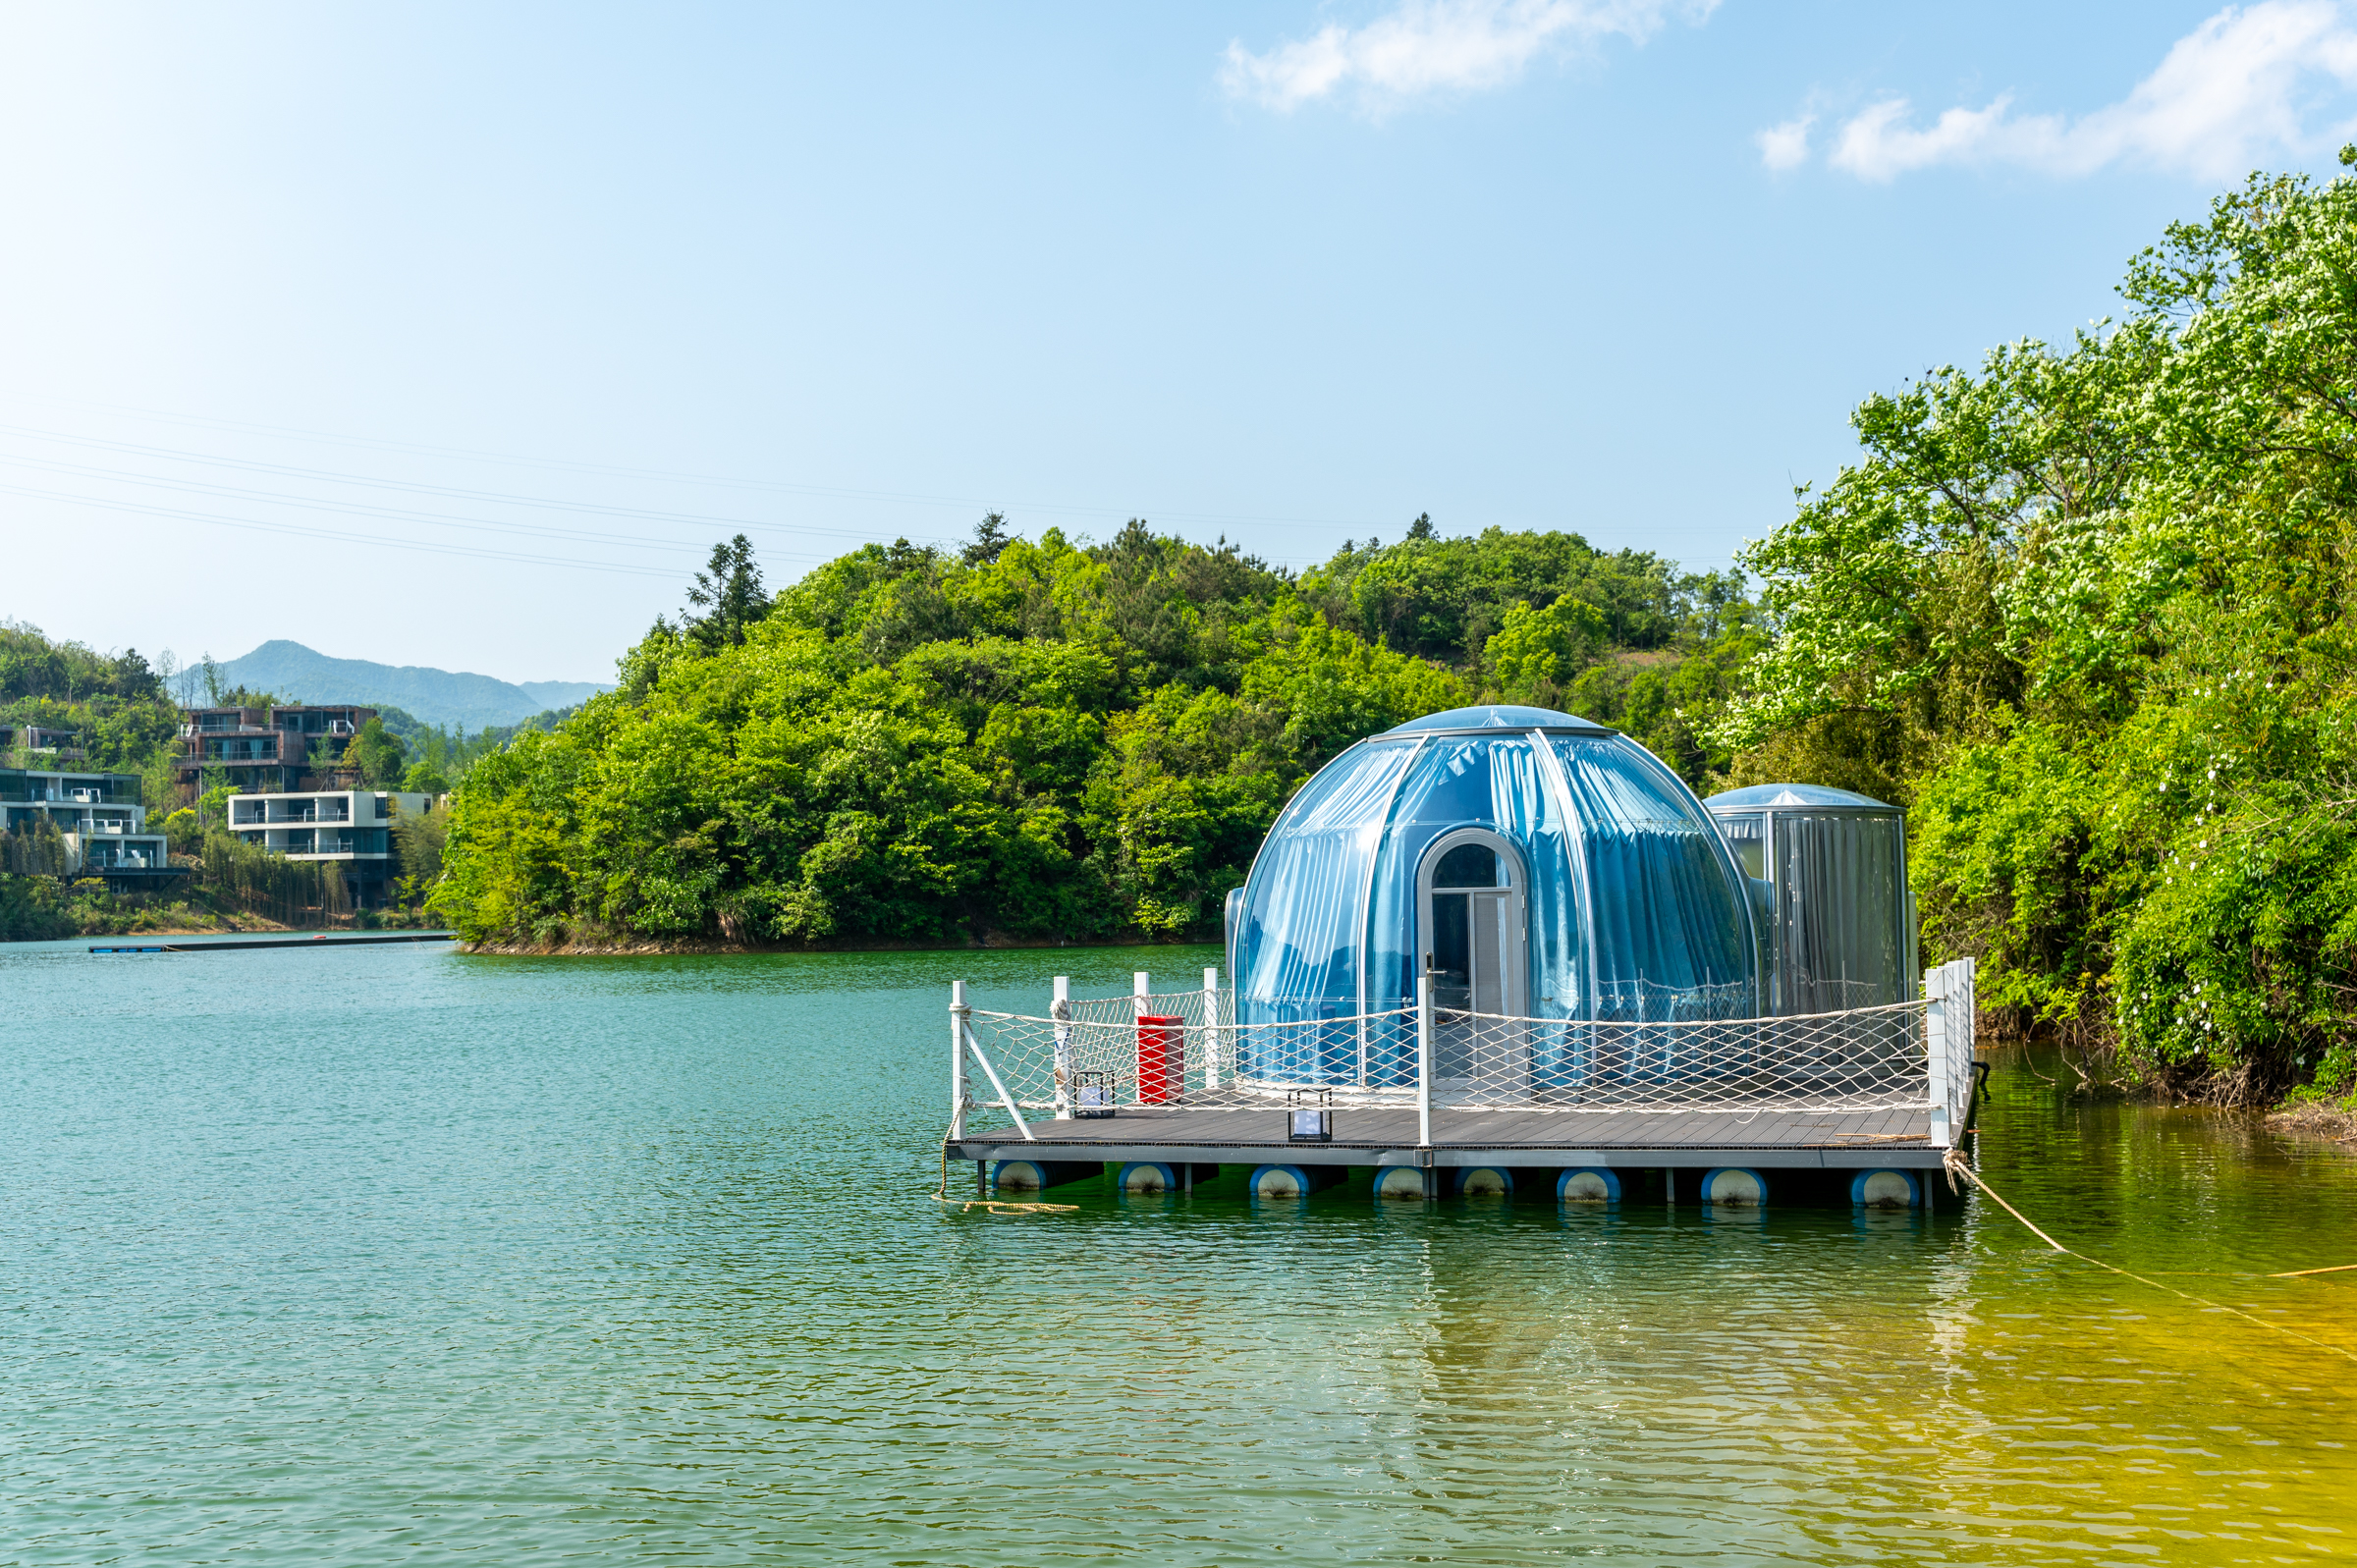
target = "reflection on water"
x: 396, y: 1255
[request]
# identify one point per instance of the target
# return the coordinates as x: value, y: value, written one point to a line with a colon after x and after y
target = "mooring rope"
x: 1956, y: 1166
x: 993, y: 1206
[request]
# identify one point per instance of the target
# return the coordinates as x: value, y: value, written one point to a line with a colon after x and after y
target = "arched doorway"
x: 1472, y: 892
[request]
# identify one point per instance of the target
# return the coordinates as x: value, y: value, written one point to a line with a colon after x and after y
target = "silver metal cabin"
x: 1830, y: 874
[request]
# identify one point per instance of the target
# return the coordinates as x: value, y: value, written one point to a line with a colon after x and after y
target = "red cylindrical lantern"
x: 1161, y: 1058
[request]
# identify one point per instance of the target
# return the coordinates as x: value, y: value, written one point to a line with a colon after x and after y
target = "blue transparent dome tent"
x: 1549, y: 867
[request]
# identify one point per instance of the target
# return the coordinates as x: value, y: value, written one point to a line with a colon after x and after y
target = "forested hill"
x: 1038, y: 740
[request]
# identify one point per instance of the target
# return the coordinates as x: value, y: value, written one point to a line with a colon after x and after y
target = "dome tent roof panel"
x: 1497, y: 717
x: 1759, y: 797
x: 1623, y: 900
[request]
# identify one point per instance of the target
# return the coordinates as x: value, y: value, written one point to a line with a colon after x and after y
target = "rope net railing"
x: 1860, y: 1059
x: 1186, y: 1049
x: 1182, y: 1049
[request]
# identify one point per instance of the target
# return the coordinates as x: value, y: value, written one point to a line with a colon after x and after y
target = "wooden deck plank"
x: 1679, y: 1131
x: 1505, y: 1127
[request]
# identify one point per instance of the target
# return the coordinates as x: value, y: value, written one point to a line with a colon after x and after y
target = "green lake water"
x: 396, y: 1256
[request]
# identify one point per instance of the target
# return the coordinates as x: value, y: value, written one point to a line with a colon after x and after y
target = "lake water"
x: 396, y: 1256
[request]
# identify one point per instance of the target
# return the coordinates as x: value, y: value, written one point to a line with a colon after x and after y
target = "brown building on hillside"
x: 266, y: 750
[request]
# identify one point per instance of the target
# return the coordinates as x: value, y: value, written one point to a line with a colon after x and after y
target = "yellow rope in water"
x: 994, y: 1206
x: 2302, y: 1273
x: 1956, y: 1166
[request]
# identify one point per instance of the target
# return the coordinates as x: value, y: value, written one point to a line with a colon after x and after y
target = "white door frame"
x: 1516, y: 978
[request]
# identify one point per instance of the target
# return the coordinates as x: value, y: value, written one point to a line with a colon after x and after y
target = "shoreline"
x: 2316, y: 1121
x: 251, y: 928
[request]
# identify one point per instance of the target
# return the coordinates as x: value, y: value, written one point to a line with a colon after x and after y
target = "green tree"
x: 34, y: 849
x: 990, y: 537
x: 423, y: 778
x: 1058, y: 740
x: 182, y: 835
x: 728, y: 593
x: 1535, y: 653
x: 377, y: 755
x: 212, y: 800
x: 2085, y: 610
x: 419, y: 838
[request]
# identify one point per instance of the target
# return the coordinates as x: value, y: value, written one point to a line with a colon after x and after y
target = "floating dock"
x: 1438, y: 1100
x: 319, y: 940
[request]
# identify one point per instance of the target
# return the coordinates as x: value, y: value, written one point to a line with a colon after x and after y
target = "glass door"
x: 1474, y: 927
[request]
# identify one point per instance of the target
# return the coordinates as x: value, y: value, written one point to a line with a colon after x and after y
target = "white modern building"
x: 353, y: 826
x: 100, y: 815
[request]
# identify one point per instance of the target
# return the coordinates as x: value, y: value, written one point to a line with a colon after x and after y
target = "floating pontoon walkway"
x: 1176, y: 1082
x: 1893, y: 1138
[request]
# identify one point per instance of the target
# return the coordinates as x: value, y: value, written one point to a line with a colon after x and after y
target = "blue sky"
x: 455, y: 335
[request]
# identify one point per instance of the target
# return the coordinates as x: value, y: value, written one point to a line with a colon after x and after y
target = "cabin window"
x: 1748, y: 837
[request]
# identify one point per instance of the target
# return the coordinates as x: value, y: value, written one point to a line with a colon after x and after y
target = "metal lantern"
x: 1092, y: 1095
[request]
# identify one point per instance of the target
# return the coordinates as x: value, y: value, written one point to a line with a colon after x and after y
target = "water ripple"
x: 399, y: 1257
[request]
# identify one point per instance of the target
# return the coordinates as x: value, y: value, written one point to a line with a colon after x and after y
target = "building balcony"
x: 94, y: 860
x: 292, y: 817
x: 93, y: 853
x: 328, y: 846
x: 189, y: 764
x: 303, y: 844
x: 240, y: 759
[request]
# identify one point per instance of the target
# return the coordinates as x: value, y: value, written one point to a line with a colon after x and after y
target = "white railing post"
x: 1424, y: 1061
x: 1061, y: 1010
x: 1934, y: 1052
x: 1140, y: 987
x: 1211, y: 1026
x: 957, y: 1013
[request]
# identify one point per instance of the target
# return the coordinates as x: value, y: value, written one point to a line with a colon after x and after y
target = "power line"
x: 785, y: 487
x: 512, y: 499
x: 300, y: 530
x: 412, y: 487
x: 401, y: 514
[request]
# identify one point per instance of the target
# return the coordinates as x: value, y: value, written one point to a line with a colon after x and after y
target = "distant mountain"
x: 436, y: 696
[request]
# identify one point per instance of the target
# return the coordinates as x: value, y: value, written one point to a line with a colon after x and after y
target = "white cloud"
x: 1874, y: 145
x: 2235, y: 88
x: 1785, y: 146
x: 1429, y: 47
